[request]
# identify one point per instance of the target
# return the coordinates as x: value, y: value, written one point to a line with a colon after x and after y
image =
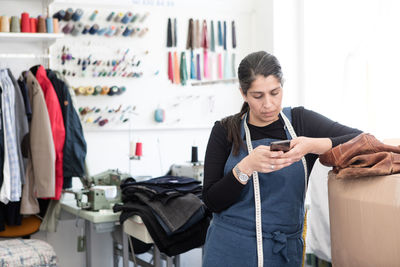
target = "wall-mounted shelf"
x: 48, y: 38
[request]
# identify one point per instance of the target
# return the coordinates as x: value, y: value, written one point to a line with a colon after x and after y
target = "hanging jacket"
x: 362, y: 156
x: 21, y: 126
x: 40, y: 171
x: 75, y: 145
x: 56, y: 121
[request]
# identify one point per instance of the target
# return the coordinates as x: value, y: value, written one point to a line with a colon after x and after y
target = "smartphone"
x: 280, y: 146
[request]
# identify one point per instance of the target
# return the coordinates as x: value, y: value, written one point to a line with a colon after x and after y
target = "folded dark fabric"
x: 176, y: 212
x: 375, y: 164
x: 340, y: 156
x: 170, y: 245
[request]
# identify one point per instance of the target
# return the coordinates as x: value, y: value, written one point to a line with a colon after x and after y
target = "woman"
x: 238, y: 155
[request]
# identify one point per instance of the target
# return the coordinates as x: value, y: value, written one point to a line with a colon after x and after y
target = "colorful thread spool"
x: 94, y: 29
x: 5, y: 24
x: 89, y: 90
x: 49, y: 25
x: 25, y: 22
x: 68, y: 14
x: 139, y: 149
x: 77, y: 15
x: 159, y: 115
x: 127, y: 17
x: 33, y: 24
x: 97, y: 90
x: 93, y: 16
x: 59, y: 15
x: 109, y: 17
x: 42, y: 25
x: 118, y: 17
x: 105, y: 90
x: 56, y: 28
x: 68, y: 28
x: 86, y: 29
x: 14, y: 26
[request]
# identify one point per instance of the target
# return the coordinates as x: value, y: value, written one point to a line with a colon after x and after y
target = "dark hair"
x: 254, y: 64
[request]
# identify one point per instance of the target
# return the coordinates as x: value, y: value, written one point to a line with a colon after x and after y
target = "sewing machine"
x: 102, y: 190
x: 190, y: 169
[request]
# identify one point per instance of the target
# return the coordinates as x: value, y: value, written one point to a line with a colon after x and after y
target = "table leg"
x: 125, y: 249
x: 157, y: 256
x: 177, y: 260
x: 88, y: 234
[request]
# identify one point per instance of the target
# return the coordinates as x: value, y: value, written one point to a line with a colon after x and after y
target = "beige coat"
x: 40, y: 174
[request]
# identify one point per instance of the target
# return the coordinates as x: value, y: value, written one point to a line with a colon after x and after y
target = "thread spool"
x: 81, y: 90
x: 131, y: 149
x: 159, y: 115
x: 94, y: 29
x: 93, y: 16
x: 86, y: 29
x: 89, y: 90
x: 143, y: 18
x: 195, y: 158
x: 134, y: 18
x: 127, y: 31
x: 14, y: 26
x: 119, y: 30
x: 118, y: 17
x: 109, y: 17
x: 113, y: 90
x: 33, y: 24
x: 97, y: 90
x: 103, y: 122
x: 111, y: 31
x: 121, y: 90
x: 5, y: 24
x: 105, y: 90
x: 143, y: 32
x: 25, y: 22
x: 55, y: 26
x: 59, y: 15
x: 68, y: 28
x: 133, y: 32
x: 127, y: 17
x: 49, y: 25
x: 77, y: 14
x: 68, y: 14
x: 102, y: 31
x: 139, y: 149
x: 42, y: 25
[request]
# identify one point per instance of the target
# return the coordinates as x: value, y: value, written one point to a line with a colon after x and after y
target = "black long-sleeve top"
x: 221, y: 191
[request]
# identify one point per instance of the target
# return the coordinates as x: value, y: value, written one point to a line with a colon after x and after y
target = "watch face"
x: 243, y: 177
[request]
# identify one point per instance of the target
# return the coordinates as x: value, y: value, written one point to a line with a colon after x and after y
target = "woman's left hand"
x: 300, y: 146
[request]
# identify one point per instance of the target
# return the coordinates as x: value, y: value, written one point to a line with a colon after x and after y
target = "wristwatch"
x: 241, y: 175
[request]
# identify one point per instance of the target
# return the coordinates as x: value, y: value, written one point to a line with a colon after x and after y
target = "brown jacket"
x: 362, y: 156
x: 40, y: 174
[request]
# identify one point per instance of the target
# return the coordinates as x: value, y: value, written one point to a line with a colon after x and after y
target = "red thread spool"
x: 33, y: 25
x: 139, y: 151
x: 25, y: 22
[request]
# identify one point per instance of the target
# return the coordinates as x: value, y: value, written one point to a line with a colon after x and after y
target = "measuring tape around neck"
x: 256, y: 184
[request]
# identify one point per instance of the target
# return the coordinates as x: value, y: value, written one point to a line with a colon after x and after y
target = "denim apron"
x: 231, y: 237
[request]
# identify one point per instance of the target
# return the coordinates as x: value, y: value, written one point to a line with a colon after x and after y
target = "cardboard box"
x: 365, y: 221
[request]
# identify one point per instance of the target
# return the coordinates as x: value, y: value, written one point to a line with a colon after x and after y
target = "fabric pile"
x: 362, y: 156
x: 171, y: 209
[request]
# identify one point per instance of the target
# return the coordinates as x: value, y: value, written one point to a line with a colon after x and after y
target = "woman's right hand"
x: 263, y: 160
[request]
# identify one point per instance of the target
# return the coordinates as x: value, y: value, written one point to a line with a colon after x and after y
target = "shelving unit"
x: 48, y: 38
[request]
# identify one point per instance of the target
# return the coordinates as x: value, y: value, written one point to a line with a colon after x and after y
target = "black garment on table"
x: 170, y: 245
x: 75, y: 145
x: 162, y: 188
x: 24, y: 91
x: 305, y: 123
x: 176, y: 212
